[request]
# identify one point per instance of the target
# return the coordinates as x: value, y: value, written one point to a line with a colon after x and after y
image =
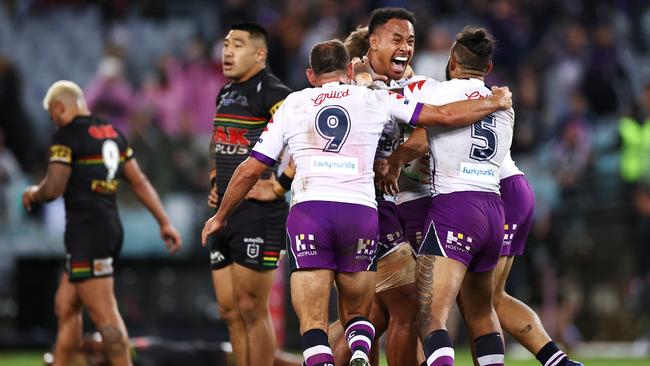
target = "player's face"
x: 393, y: 46
x: 57, y: 111
x: 240, y: 54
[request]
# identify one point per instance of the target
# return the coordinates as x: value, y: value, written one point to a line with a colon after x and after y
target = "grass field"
x: 462, y: 359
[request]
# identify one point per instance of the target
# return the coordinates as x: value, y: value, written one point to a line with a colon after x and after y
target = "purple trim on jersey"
x: 262, y: 158
x: 416, y: 114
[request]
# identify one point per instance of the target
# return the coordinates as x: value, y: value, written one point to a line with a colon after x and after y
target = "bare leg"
x: 252, y: 290
x: 67, y: 306
x: 401, y: 337
x: 222, y: 281
x: 97, y: 294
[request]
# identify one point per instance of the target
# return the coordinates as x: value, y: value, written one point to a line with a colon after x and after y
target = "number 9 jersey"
x: 96, y: 152
x: 467, y: 158
x: 332, y: 133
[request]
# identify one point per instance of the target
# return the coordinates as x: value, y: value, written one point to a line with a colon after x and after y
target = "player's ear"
x: 349, y: 70
x: 311, y: 76
x: 260, y: 55
x: 489, y: 67
x: 373, y: 42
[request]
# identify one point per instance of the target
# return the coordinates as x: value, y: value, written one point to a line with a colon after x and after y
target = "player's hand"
x: 172, y: 238
x: 213, y: 197
x: 388, y: 184
x: 28, y: 197
x: 362, y: 65
x: 380, y: 167
x: 502, y: 96
x: 211, y: 226
x: 263, y: 190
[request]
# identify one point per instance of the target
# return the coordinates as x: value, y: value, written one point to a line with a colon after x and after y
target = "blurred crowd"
x: 578, y: 69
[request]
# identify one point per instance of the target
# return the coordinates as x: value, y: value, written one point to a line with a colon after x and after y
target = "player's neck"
x: 335, y: 77
x: 469, y: 74
x: 249, y: 74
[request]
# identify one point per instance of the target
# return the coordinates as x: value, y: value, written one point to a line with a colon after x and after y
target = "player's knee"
x: 114, y: 340
x: 65, y: 309
x: 498, y: 297
x: 230, y: 314
x: 251, y: 307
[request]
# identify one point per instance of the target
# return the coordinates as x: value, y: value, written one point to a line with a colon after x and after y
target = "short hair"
x: 473, y: 48
x: 64, y: 87
x: 255, y: 30
x: 328, y: 56
x: 357, y: 42
x: 381, y: 16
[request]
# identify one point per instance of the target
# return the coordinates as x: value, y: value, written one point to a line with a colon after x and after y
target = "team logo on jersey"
x: 334, y: 94
x: 103, y: 266
x: 455, y: 241
x: 233, y: 97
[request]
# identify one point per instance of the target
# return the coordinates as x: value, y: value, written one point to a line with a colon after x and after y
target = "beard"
x: 447, y: 73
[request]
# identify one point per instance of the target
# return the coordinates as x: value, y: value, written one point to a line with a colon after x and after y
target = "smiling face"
x: 391, y: 48
x: 242, y: 55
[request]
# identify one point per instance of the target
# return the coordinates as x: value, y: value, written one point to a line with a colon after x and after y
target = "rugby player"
x: 245, y: 255
x: 87, y: 156
x: 464, y: 230
x: 332, y: 132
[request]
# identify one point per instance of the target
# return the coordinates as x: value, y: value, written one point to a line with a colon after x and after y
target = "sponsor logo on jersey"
x: 103, y: 266
x: 334, y: 94
x: 478, y: 172
x: 231, y: 136
x: 305, y: 245
x: 335, y: 165
x: 216, y: 257
x: 104, y: 186
x: 102, y: 132
x: 475, y: 95
x: 365, y: 246
x: 60, y: 153
x: 458, y: 242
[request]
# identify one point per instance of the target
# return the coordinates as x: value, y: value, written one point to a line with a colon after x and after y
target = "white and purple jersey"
x: 466, y: 158
x: 332, y: 133
x: 509, y: 168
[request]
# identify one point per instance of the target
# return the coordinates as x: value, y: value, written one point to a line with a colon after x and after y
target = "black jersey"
x: 96, y: 151
x: 243, y: 110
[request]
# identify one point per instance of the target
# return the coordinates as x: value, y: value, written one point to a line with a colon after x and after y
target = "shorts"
x: 390, y: 229
x: 92, y: 246
x: 467, y: 227
x: 519, y: 202
x: 413, y: 215
x: 396, y: 269
x: 332, y: 235
x: 253, y: 236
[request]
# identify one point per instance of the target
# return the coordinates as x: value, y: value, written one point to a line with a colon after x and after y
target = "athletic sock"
x: 438, y: 349
x: 316, y: 348
x: 359, y: 333
x: 551, y: 355
x: 490, y: 350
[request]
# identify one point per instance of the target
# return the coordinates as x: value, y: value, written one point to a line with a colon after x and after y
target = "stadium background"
x: 575, y: 67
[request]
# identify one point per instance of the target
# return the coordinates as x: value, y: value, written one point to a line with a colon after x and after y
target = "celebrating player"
x: 245, y: 255
x: 87, y: 157
x: 332, y: 131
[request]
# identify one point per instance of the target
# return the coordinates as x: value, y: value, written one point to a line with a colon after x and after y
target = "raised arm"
x: 51, y: 187
x: 148, y: 196
x: 244, y: 178
x: 465, y: 112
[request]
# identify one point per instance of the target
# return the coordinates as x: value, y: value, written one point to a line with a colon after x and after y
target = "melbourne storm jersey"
x: 509, y: 168
x: 467, y: 158
x: 96, y: 151
x: 243, y: 110
x: 332, y: 133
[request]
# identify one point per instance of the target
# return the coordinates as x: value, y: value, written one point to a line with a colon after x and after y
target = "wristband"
x: 285, y: 181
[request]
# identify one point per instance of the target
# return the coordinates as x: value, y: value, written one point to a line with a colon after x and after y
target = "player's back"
x: 467, y: 158
x: 332, y: 132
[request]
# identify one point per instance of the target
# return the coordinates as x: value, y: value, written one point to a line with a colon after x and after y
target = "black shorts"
x: 92, y: 246
x: 253, y: 236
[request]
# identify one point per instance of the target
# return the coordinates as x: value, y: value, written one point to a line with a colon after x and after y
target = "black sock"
x: 440, y: 342
x: 489, y: 350
x: 316, y: 349
x: 551, y: 354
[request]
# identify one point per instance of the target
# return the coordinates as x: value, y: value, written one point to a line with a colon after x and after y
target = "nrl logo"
x: 253, y: 250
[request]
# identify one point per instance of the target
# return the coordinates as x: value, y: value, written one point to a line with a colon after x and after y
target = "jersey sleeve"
x: 62, y: 147
x: 271, y: 143
x: 400, y: 108
x: 274, y: 94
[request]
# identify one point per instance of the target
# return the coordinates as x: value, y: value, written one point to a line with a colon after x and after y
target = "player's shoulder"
x: 271, y: 82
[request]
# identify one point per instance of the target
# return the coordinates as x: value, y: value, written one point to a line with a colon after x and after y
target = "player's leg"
x: 482, y: 321
x: 222, y: 281
x: 310, y: 289
x: 252, y: 290
x: 67, y: 306
x: 356, y: 293
x: 98, y: 296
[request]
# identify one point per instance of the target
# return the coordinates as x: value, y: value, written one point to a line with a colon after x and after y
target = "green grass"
x: 462, y: 359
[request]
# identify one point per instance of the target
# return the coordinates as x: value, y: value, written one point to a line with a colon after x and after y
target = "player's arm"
x: 463, y: 113
x: 213, y: 196
x: 244, y: 178
x: 415, y: 147
x: 51, y: 187
x: 148, y: 196
x: 273, y: 188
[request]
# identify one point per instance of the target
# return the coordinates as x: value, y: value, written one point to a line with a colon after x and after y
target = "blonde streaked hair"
x: 67, y: 88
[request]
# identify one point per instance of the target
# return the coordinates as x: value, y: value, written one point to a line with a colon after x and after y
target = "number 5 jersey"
x: 96, y: 151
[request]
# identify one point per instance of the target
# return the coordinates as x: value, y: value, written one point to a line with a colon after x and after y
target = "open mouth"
x: 398, y: 64
x: 227, y: 64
